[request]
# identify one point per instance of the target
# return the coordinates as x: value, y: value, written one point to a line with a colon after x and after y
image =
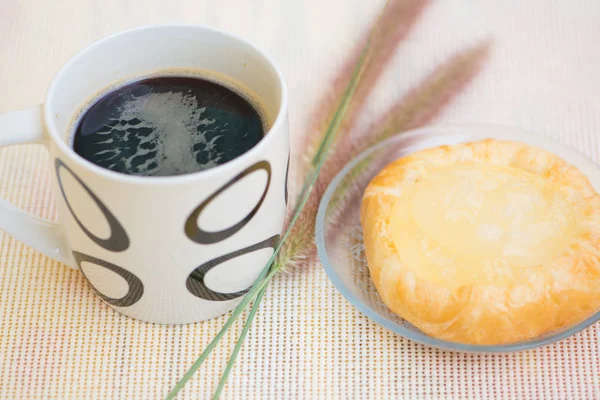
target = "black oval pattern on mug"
x: 195, y: 282
x: 287, y: 172
x: 136, y: 288
x: 118, y: 240
x: 196, y: 234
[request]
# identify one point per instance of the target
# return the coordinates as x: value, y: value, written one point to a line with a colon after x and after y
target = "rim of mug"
x: 231, y: 164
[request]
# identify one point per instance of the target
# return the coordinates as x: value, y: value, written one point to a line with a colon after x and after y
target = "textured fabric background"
x: 58, y: 341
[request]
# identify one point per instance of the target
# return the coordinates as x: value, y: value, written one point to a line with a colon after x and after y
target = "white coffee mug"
x: 175, y: 249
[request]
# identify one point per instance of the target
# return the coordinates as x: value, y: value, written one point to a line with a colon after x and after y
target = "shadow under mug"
x: 175, y: 249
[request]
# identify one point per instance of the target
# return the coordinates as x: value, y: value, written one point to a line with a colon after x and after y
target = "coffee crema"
x: 167, y: 125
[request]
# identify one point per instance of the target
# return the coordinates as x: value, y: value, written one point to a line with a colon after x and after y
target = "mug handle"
x: 47, y: 237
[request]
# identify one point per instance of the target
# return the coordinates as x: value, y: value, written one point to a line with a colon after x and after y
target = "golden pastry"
x: 488, y: 242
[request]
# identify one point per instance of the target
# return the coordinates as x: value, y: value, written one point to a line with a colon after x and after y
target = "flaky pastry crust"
x: 489, y: 242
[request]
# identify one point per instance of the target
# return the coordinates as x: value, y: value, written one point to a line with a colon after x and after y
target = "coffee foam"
x: 173, y: 119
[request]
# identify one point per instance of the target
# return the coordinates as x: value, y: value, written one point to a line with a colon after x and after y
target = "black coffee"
x: 167, y: 126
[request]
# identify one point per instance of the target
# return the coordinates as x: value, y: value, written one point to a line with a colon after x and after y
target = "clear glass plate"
x: 339, y: 234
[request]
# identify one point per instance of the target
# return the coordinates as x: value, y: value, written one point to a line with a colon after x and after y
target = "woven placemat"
x: 59, y: 341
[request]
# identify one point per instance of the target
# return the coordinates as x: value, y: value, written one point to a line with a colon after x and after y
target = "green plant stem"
x: 310, y: 181
x: 248, y: 297
x: 258, y: 286
x: 238, y: 345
